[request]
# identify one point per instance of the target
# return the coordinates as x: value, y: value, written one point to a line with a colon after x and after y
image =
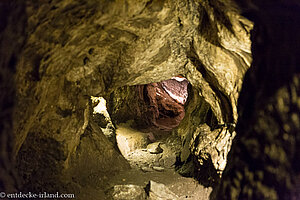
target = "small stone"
x: 169, y: 161
x: 154, y: 148
x: 129, y: 140
x: 146, y: 169
x: 160, y: 191
x: 160, y: 169
x: 128, y: 192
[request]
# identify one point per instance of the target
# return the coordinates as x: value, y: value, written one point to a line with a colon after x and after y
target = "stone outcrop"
x: 159, y: 191
x: 264, y: 161
x: 129, y: 139
x: 177, y: 89
x: 128, y: 192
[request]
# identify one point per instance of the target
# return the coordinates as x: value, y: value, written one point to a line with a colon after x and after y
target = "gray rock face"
x: 129, y: 140
x: 158, y: 191
x: 213, y: 144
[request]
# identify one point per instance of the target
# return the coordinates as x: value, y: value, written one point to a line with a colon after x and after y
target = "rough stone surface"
x: 213, y: 144
x: 167, y: 112
x: 128, y: 139
x: 12, y: 28
x: 160, y: 169
x: 158, y: 191
x: 102, y: 118
x: 176, y: 88
x: 264, y: 161
x: 155, y: 156
x: 128, y: 192
x: 216, y: 60
x: 126, y: 103
x: 154, y: 148
x: 183, y: 187
x: 204, y: 147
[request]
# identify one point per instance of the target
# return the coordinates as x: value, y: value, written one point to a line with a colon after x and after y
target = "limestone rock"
x: 158, y: 191
x: 146, y: 161
x: 100, y: 119
x: 128, y: 139
x: 128, y: 192
x: 160, y: 169
x: 215, y: 143
x: 169, y: 160
x: 147, y: 169
x: 154, y: 148
x: 265, y: 155
x: 94, y: 160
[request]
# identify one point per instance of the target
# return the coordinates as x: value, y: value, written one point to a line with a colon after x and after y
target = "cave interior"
x: 150, y: 99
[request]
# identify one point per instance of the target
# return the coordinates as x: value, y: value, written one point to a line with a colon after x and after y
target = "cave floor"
x: 182, y: 187
x: 151, y: 154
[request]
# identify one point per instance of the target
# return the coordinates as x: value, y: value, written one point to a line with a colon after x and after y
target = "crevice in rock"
x: 225, y: 103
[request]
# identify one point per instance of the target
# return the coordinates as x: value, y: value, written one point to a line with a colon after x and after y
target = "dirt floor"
x: 152, y: 155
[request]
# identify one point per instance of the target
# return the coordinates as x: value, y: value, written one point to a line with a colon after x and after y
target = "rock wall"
x: 264, y: 161
x: 127, y: 103
x: 218, y: 59
x: 12, y: 36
